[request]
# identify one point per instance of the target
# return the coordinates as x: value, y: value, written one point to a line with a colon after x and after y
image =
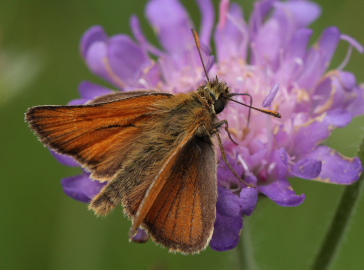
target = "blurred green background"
x: 41, y: 228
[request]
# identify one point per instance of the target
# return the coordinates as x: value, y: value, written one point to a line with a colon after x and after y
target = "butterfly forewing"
x: 123, y: 95
x: 96, y: 135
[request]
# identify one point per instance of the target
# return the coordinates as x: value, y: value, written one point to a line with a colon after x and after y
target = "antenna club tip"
x: 273, y: 113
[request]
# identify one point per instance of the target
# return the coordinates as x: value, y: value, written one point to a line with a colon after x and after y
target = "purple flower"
x: 282, y: 72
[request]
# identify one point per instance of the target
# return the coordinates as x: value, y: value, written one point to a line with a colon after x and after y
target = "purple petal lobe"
x: 298, y: 13
x: 306, y: 168
x: 280, y: 159
x: 248, y: 200
x: 232, y: 33
x: 140, y: 37
x: 347, y: 79
x: 268, y: 42
x: 309, y: 135
x: 65, y: 160
x: 96, y: 58
x: 225, y: 175
x: 261, y: 10
x: 338, y: 117
x: 172, y: 24
x: 319, y: 57
x: 81, y: 187
x: 356, y: 107
x: 140, y: 237
x: 268, y: 99
x: 337, y: 168
x: 281, y: 192
x: 78, y: 101
x: 126, y: 58
x: 90, y: 91
x: 328, y: 43
x: 228, y: 203
x: 207, y: 22
x: 226, y: 232
x: 256, y: 158
x: 137, y: 30
x: 94, y: 34
x: 299, y: 43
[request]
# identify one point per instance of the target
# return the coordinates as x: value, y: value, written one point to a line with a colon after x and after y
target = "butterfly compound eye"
x: 219, y: 105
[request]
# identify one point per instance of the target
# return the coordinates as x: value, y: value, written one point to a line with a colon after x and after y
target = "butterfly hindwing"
x: 183, y: 215
x: 176, y: 205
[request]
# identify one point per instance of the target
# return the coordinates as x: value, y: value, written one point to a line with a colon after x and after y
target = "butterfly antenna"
x: 250, y: 104
x: 273, y: 113
x: 198, y: 45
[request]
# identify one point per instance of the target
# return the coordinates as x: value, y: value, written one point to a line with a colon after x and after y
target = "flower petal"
x: 338, y: 117
x: 356, y: 106
x: 226, y: 177
x: 267, y: 44
x: 232, y: 34
x: 307, y: 136
x: 78, y: 101
x: 281, y: 192
x: 248, y: 200
x: 306, y: 168
x: 140, y: 37
x: 207, y: 22
x: 336, y: 168
x: 255, y: 159
x: 226, y: 232
x: 94, y: 34
x: 127, y: 59
x: 280, y: 160
x: 299, y: 43
x: 319, y: 57
x: 96, y: 58
x: 140, y: 237
x: 228, y: 203
x: 81, y: 187
x: 260, y: 11
x: 328, y: 43
x: 347, y: 79
x: 172, y: 24
x: 294, y: 54
x: 298, y: 13
x: 65, y: 160
x: 90, y: 91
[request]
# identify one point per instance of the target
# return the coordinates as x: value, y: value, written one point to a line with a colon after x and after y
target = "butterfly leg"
x: 226, y: 123
x: 223, y: 154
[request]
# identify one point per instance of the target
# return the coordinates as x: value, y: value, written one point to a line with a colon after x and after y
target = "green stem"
x: 335, y: 235
x: 244, y: 251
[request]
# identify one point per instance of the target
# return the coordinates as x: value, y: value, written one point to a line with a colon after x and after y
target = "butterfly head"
x: 216, y: 93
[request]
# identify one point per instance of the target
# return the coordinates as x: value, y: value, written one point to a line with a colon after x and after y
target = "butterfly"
x: 154, y: 150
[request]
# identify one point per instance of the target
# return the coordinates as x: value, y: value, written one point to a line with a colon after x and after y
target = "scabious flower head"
x: 267, y: 56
